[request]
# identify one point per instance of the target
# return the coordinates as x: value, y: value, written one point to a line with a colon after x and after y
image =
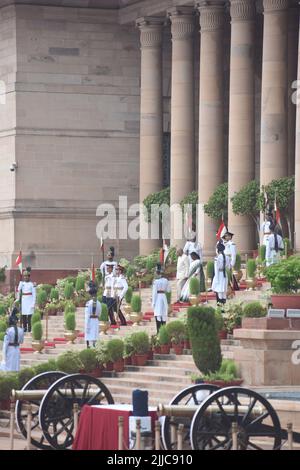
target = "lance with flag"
x: 222, y: 229
x: 19, y: 262
x: 93, y: 271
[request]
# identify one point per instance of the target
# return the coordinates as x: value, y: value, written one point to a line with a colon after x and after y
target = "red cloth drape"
x: 98, y: 428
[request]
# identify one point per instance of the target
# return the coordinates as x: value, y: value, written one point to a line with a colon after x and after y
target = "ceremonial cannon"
x: 208, y: 414
x: 52, y: 396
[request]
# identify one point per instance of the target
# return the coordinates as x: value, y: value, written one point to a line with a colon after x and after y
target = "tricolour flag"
x: 19, y: 262
x: 222, y: 230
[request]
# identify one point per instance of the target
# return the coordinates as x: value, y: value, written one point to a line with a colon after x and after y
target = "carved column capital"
x: 242, y: 10
x: 151, y: 29
x: 271, y: 6
x: 183, y: 22
x: 211, y: 15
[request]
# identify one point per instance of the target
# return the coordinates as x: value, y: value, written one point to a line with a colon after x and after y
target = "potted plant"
x: 80, y: 284
x: 70, y: 323
x: 36, y: 317
x: 169, y: 300
x: 128, y: 351
x: 51, y: 309
x: 69, y: 362
x: 194, y: 287
x: 284, y: 278
x: 210, y: 270
x: 141, y: 346
x: 176, y: 331
x: 54, y: 295
x: 251, y: 270
x: 164, y: 340
x: 91, y: 366
x: 232, y: 316
x: 8, y: 382
x: 38, y: 343
x: 104, y: 320
x: 115, y: 351
x: 41, y: 299
x: 155, y: 345
x: 136, y: 306
x: 69, y: 291
x: 128, y: 298
x: 237, y: 272
x: 253, y: 313
x: 103, y: 356
x: 226, y: 376
x: 220, y: 324
x: 186, y: 340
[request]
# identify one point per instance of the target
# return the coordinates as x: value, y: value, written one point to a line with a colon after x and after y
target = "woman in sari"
x: 196, y: 270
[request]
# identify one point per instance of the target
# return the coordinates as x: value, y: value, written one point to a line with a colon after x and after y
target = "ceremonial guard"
x: 192, y: 246
x: 230, y: 252
x: 26, y: 297
x: 120, y: 289
x: 274, y: 246
x: 266, y: 228
x: 92, y: 317
x: 108, y: 293
x: 109, y: 262
x: 160, y: 287
x: 11, y: 346
x: 220, y: 280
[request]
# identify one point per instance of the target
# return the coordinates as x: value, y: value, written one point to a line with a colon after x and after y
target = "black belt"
x: 93, y: 316
x: 13, y: 344
x: 161, y: 291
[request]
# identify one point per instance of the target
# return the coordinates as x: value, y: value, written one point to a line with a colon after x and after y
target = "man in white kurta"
x: 220, y: 280
x: 109, y: 262
x: 274, y: 246
x: 192, y: 246
x: 11, y: 347
x: 160, y: 287
x: 120, y: 289
x: 92, y: 317
x: 183, y: 266
x: 27, y: 298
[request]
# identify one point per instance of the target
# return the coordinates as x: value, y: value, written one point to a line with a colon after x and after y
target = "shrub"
x: 194, y: 285
x: 233, y: 315
x: 229, y: 367
x: 3, y: 325
x: 163, y: 335
x: 8, y: 382
x: 41, y: 298
x: 176, y: 330
x: 69, y: 362
x: 210, y: 269
x: 2, y: 310
x: 69, y: 308
x: 101, y: 352
x: 284, y: 276
x: 254, y: 310
x: 115, y: 349
x: 88, y: 357
x: 169, y: 297
x: 49, y: 366
x: 36, y: 317
x: 80, y: 283
x: 136, y: 304
x: 46, y: 288
x: 150, y: 264
x: 25, y: 375
x: 71, y: 280
x: 2, y: 334
x: 128, y: 346
x: 128, y: 295
x: 104, y: 313
x: 69, y: 291
x: 217, y: 206
x: 204, y: 339
x: 70, y: 322
x: 219, y: 320
x: 130, y: 272
x: 262, y: 252
x: 251, y: 268
x: 238, y: 262
x: 54, y: 294
x: 37, y: 331
x: 140, y: 342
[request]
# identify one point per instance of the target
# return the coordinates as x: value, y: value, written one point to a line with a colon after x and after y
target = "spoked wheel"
x: 56, y: 411
x: 40, y: 382
x: 257, y: 422
x: 191, y: 396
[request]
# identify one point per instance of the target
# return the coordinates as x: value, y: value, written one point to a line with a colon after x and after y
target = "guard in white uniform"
x: 92, y: 317
x: 160, y: 287
x: 120, y: 289
x: 109, y: 292
x: 220, y: 281
x: 109, y: 262
x: 27, y: 298
x: 230, y: 252
x: 274, y: 246
x: 11, y: 346
x: 192, y: 246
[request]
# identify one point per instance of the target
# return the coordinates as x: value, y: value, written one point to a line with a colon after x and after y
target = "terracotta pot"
x: 150, y: 355
x: 177, y: 348
x: 222, y: 334
x: 94, y: 373
x: 223, y: 384
x: 285, y: 301
x: 128, y: 361
x: 165, y: 348
x: 194, y: 300
x: 157, y: 350
x: 141, y: 359
x: 109, y: 367
x: 254, y: 254
x: 5, y: 404
x: 119, y: 365
x: 133, y: 360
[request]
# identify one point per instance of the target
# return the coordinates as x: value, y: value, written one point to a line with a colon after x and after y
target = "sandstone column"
x: 274, y: 161
x: 151, y: 130
x: 241, y: 169
x: 182, y: 107
x: 211, y: 117
x: 292, y: 75
x: 297, y: 166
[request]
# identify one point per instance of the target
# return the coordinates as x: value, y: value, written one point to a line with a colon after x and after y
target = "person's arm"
x: 87, y: 318
x: 124, y: 290
x: 19, y: 291
x: 154, y: 294
x: 21, y: 336
x: 187, y: 267
x: 233, y: 254
x: 5, y: 346
x: 33, y: 297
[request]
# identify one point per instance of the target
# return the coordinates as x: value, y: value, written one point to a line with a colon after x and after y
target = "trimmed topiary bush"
x: 251, y: 268
x: 8, y: 382
x: 169, y: 297
x: 37, y: 331
x: 115, y: 349
x: 254, y: 310
x: 128, y: 346
x: 41, y: 298
x: 210, y: 269
x: 25, y: 375
x: 3, y: 325
x: 69, y: 362
x: 204, y: 339
x: 194, y: 286
x: 176, y: 331
x: 163, y: 335
x: 140, y: 342
x: 36, y: 317
x: 104, y: 313
x: 2, y: 310
x: 238, y: 262
x: 70, y: 322
x: 80, y: 284
x: 219, y: 320
x: 69, y: 291
x: 54, y: 294
x: 136, y: 304
x: 262, y: 252
x: 88, y: 357
x: 128, y: 295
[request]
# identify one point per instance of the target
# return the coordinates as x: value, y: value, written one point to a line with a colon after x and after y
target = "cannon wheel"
x: 188, y: 396
x: 211, y: 427
x: 56, y: 410
x: 40, y: 382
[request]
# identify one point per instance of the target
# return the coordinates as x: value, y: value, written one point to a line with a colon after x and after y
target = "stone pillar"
x: 151, y: 130
x: 211, y: 114
x: 274, y: 161
x: 297, y: 165
x: 241, y: 169
x: 182, y: 107
x: 293, y: 21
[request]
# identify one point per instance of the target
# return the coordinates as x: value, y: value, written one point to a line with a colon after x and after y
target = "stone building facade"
x: 93, y: 89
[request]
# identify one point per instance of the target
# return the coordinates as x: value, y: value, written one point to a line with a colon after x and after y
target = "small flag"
x: 222, y: 230
x: 19, y: 262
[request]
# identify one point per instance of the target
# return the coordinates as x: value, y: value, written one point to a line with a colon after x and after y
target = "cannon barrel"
x: 179, y: 411
x: 27, y: 395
